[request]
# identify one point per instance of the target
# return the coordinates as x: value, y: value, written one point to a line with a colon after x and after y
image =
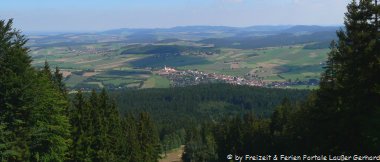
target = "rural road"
x: 174, y: 155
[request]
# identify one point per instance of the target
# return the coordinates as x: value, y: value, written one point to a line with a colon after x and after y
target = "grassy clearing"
x: 156, y: 81
x: 74, y: 79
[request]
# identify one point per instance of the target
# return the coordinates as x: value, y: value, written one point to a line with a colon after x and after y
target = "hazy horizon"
x: 153, y: 28
x: 100, y: 15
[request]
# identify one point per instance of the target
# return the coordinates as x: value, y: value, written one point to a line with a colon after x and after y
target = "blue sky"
x: 97, y: 15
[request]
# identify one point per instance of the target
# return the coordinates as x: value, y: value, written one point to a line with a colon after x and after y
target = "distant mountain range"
x: 226, y: 29
x: 218, y: 36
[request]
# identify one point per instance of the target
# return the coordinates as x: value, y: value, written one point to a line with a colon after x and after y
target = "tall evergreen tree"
x: 50, y: 136
x: 130, y: 150
x: 347, y: 101
x: 80, y: 150
x: 47, y: 70
x: 31, y: 111
x: 58, y: 81
x: 97, y: 127
x: 148, y: 139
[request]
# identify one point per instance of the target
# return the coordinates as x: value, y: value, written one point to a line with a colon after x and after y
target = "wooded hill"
x: 177, y: 110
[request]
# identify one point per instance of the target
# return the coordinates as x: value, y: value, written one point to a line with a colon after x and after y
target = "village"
x: 180, y: 78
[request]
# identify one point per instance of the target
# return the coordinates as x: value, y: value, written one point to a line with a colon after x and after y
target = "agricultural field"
x: 156, y: 81
x: 116, y: 59
x: 271, y: 64
x: 100, y: 65
x: 93, y: 66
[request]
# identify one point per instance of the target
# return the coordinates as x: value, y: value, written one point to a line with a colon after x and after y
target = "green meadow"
x: 105, y: 65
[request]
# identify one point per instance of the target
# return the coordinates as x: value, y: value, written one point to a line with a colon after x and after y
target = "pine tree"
x: 347, y: 100
x: 148, y: 139
x: 58, y: 81
x: 16, y: 76
x: 280, y: 116
x: 47, y: 70
x: 79, y: 150
x: 130, y: 150
x: 104, y: 153
x: 356, y: 75
x: 50, y: 133
x: 31, y: 111
x: 97, y: 127
x: 114, y: 130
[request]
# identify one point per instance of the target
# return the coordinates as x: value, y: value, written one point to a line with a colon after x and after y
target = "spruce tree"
x: 50, y: 133
x: 31, y: 111
x: 130, y: 144
x: 104, y: 153
x: 96, y: 126
x: 80, y: 146
x: 347, y: 102
x: 47, y: 70
x: 58, y: 81
x: 148, y: 139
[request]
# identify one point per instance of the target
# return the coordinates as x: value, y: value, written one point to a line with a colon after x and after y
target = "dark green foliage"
x: 100, y: 134
x: 32, y: 112
x: 38, y: 124
x: 177, y: 110
x: 130, y: 150
x: 347, y: 100
x: 232, y: 135
x: 280, y: 117
x: 200, y: 145
x: 47, y: 71
x: 148, y: 139
x: 242, y: 136
x: 80, y: 132
x: 58, y: 81
x: 171, y: 140
x: 188, y: 101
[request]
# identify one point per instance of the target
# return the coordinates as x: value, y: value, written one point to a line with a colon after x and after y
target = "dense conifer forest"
x: 40, y: 121
x: 177, y: 110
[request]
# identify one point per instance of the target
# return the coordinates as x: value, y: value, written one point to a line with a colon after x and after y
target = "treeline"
x: 317, y: 45
x: 39, y: 122
x: 282, y: 39
x: 100, y: 134
x: 342, y: 117
x: 169, y: 50
x: 177, y: 110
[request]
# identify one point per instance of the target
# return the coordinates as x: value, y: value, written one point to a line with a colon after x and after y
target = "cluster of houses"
x: 193, y: 77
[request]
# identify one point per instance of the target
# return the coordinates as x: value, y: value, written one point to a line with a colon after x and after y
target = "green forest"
x: 41, y: 121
